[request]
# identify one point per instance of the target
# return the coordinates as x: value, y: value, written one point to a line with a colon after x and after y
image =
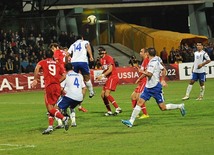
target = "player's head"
x: 54, y: 46
x: 143, y: 52
x: 49, y: 54
x: 68, y: 67
x: 101, y: 51
x: 199, y: 46
x: 151, y: 51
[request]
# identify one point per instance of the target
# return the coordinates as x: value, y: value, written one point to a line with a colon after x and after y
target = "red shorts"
x: 52, y: 94
x: 141, y: 85
x: 111, y: 83
x: 140, y: 88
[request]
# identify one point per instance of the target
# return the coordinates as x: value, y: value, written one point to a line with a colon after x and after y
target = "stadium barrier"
x: 127, y: 75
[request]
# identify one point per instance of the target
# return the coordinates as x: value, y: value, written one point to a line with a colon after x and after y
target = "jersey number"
x: 52, y: 69
x: 76, y: 82
x: 77, y: 47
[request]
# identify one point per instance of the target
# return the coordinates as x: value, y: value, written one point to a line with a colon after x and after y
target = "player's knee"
x: 86, y: 78
x: 106, y: 95
x: 162, y: 107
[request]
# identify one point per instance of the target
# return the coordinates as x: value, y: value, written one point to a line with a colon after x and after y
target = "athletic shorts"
x: 81, y: 67
x: 199, y: 76
x: 140, y: 87
x: 155, y: 92
x: 65, y: 102
x: 111, y: 83
x: 52, y: 94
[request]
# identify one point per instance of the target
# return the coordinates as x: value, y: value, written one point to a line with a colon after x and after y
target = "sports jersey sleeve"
x: 206, y: 56
x: 161, y: 66
x: 86, y: 43
x: 62, y: 84
x: 151, y: 66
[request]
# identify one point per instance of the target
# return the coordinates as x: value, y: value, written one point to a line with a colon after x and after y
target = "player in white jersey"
x: 79, y: 60
x: 201, y: 58
x: 153, y: 89
x: 74, y: 88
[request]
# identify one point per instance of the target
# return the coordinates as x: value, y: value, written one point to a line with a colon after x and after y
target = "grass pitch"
x: 23, y: 118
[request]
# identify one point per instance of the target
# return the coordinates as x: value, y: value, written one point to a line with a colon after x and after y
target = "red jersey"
x: 144, y: 64
x: 143, y: 67
x: 107, y: 61
x: 52, y: 71
x: 59, y: 56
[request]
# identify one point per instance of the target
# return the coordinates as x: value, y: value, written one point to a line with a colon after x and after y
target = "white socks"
x: 189, y: 88
x: 89, y: 86
x: 135, y: 112
x: 59, y: 121
x: 173, y: 106
x: 202, y: 90
x: 73, y: 116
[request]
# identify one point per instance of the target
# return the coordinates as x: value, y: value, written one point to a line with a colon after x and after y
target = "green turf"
x: 23, y: 118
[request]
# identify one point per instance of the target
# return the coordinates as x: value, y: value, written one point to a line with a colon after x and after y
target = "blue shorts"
x: 199, y: 76
x: 155, y: 92
x: 81, y: 67
x: 65, y: 102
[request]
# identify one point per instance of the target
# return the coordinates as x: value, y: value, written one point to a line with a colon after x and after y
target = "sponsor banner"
x: 185, y: 70
x: 127, y: 75
x: 172, y: 72
x: 94, y: 74
x: 18, y: 82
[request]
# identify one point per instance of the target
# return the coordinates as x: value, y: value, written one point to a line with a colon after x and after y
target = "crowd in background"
x: 22, y: 49
x: 184, y: 53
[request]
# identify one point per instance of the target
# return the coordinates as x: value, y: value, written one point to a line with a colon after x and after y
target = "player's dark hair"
x: 49, y: 54
x: 53, y: 45
x: 151, y: 51
x: 80, y: 36
x: 101, y: 50
x: 68, y: 67
x: 199, y: 43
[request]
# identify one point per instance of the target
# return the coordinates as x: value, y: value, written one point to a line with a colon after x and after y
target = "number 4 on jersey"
x: 76, y: 82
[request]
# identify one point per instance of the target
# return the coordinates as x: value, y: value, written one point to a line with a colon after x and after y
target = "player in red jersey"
x: 141, y: 83
x: 59, y: 54
x: 53, y: 73
x: 110, y: 73
x: 62, y: 56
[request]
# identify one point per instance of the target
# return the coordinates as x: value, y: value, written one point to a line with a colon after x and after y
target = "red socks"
x: 111, y: 99
x: 143, y: 108
x: 134, y: 102
x: 56, y: 112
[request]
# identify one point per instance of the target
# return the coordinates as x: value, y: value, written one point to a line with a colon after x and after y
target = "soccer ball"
x: 92, y: 19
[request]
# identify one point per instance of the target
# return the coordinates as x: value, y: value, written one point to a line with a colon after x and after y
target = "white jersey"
x: 79, y: 51
x: 200, y: 57
x: 155, y: 68
x: 73, y: 85
x: 159, y: 59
